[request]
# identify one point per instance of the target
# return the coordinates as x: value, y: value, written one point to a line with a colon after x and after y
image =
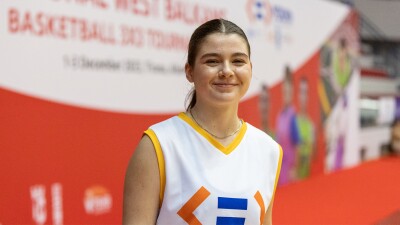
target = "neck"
x: 219, y: 121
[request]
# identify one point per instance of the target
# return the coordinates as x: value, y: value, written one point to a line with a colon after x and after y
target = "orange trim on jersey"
x: 260, y: 202
x: 160, y: 160
x: 278, y: 170
x: 186, y: 212
x: 226, y: 150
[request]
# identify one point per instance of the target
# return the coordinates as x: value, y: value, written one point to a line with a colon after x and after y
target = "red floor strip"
x: 365, y: 194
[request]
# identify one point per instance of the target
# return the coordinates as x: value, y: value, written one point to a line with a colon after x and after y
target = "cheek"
x: 202, y: 78
x: 244, y: 74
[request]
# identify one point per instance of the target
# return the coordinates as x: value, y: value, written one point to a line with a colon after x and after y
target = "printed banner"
x: 111, y: 52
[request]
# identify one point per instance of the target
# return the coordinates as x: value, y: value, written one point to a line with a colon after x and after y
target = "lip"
x: 225, y: 84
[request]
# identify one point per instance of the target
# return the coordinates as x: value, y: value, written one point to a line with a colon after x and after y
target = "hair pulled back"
x: 210, y: 27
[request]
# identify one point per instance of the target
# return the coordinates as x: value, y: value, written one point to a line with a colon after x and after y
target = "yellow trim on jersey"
x: 278, y: 170
x: 226, y: 150
x: 160, y: 159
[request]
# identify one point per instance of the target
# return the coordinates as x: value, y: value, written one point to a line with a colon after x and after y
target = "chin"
x: 226, y: 101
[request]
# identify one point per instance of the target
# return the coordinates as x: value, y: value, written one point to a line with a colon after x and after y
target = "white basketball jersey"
x: 204, y: 182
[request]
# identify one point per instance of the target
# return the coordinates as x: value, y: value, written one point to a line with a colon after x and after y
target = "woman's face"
x: 222, y: 69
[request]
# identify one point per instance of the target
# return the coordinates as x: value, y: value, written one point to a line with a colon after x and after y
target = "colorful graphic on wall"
x: 338, y: 90
x: 314, y: 111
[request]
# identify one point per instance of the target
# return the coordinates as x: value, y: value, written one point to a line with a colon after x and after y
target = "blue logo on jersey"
x: 234, y: 204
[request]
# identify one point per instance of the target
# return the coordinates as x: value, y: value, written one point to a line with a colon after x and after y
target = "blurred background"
x: 80, y: 80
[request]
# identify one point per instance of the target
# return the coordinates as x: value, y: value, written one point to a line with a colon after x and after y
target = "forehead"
x: 223, y: 42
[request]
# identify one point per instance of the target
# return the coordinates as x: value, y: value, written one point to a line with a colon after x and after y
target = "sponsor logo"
x: 226, y: 203
x: 39, y: 211
x: 271, y: 22
x: 262, y: 10
x: 259, y: 10
x: 97, y: 200
x: 39, y: 203
x: 57, y: 204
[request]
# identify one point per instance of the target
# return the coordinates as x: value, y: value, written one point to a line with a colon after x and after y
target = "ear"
x: 189, y: 73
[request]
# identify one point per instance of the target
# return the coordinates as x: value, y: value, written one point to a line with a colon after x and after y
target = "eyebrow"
x: 216, y: 55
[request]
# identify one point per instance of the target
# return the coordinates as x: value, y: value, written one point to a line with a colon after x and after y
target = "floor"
x: 366, y: 194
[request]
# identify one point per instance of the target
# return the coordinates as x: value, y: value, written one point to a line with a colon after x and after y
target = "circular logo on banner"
x: 97, y: 200
x: 259, y: 10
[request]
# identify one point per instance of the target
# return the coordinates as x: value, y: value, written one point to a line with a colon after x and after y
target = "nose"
x: 226, y: 70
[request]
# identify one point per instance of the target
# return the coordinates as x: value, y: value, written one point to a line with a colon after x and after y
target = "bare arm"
x: 142, y: 186
x: 268, y: 214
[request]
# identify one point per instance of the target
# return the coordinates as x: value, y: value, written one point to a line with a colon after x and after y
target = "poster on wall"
x: 339, y: 93
x: 313, y: 111
x: 82, y: 80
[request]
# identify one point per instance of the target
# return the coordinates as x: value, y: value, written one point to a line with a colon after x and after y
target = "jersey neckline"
x: 224, y: 149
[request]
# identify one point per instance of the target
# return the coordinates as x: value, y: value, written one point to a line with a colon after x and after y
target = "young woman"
x: 205, y: 165
x: 306, y: 130
x: 287, y: 130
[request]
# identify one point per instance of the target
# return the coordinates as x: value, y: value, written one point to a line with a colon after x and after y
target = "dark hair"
x: 210, y: 27
x: 288, y: 74
x: 395, y: 121
x: 390, y: 148
x: 264, y: 87
x: 343, y: 43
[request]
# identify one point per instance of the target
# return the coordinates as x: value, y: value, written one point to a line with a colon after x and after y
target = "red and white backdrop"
x: 81, y: 79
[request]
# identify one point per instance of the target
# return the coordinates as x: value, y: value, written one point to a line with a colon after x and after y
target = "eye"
x: 239, y: 62
x: 211, y: 62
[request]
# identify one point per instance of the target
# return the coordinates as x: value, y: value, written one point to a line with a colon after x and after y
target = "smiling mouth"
x: 225, y: 85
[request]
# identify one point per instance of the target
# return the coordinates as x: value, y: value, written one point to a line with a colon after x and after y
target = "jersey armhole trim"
x: 278, y: 169
x: 160, y: 159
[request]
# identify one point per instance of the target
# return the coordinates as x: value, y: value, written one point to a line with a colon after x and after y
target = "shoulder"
x: 167, y: 125
x: 267, y: 149
x: 262, y: 139
x: 257, y: 132
x: 167, y: 131
x: 168, y: 122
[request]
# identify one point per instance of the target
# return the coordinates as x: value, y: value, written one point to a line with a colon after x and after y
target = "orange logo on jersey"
x: 186, y: 212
